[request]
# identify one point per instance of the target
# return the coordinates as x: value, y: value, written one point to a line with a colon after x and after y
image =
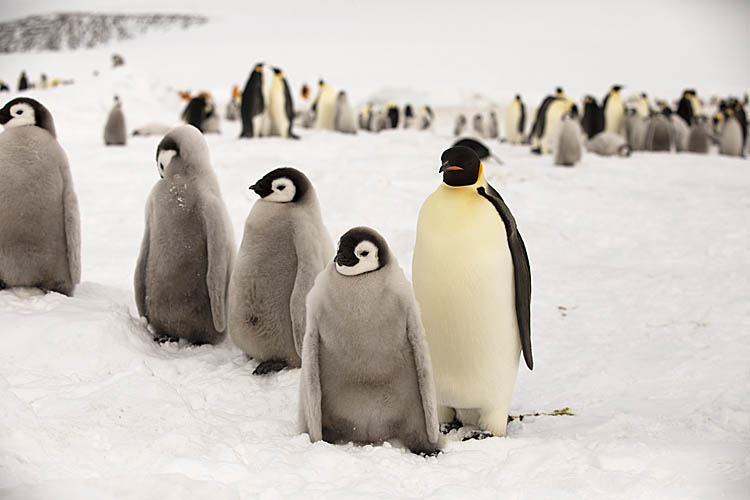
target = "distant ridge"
x: 75, y: 30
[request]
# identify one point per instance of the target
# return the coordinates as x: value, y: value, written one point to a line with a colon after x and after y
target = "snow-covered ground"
x: 641, y: 322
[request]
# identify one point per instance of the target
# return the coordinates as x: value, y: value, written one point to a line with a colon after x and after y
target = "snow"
x: 639, y: 305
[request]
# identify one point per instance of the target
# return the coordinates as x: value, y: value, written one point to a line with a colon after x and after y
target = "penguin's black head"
x: 259, y: 67
x: 321, y: 82
x: 461, y: 166
x: 276, y: 71
x: 282, y: 185
x: 165, y: 152
x: 23, y: 112
x: 518, y: 97
x: 558, y: 90
x: 361, y: 250
x: 573, y: 111
x: 667, y: 111
x: 643, y: 94
x: 616, y: 88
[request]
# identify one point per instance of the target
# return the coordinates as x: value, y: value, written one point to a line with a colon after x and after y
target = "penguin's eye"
x: 281, y: 188
x: 364, y: 253
x: 19, y: 112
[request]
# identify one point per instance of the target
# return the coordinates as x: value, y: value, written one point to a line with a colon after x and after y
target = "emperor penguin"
x: 365, y: 117
x: 538, y: 126
x: 515, y: 121
x: 212, y: 122
x: 593, y: 117
x: 681, y: 131
x: 614, y: 110
x: 379, y: 120
x: 477, y: 124
x: 115, y: 132
x: 232, y: 110
x: 343, y: 115
x: 459, y: 126
x: 366, y: 369
x: 284, y: 247
x: 182, y: 274
x: 698, y: 140
x: 659, y: 133
x: 393, y: 115
x: 427, y: 116
x: 253, y: 104
x: 608, y: 144
x: 642, y: 106
x: 408, y: 116
x: 567, y: 149
x: 280, y: 106
x: 325, y: 105
x: 685, y: 107
x: 40, y: 238
x: 552, y: 118
x: 23, y: 82
x: 472, y: 281
x: 730, y: 140
x: 634, y: 127
x: 493, y: 131
x: 195, y: 112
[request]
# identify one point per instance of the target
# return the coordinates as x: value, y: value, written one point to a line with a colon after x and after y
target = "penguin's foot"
x: 450, y: 426
x: 164, y: 338
x: 478, y: 435
x: 536, y: 151
x: 270, y: 366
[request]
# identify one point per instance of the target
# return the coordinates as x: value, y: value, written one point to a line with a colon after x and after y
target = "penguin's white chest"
x: 326, y: 105
x: 613, y: 114
x: 463, y: 281
x: 277, y: 108
x: 511, y: 122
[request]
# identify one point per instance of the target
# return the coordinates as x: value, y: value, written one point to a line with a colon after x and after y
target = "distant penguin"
x: 325, y: 105
x: 366, y: 370
x: 426, y: 116
x: 408, y: 116
x: 40, y: 240
x: 253, y: 104
x: 280, y: 106
x: 233, y: 110
x: 695, y: 103
x: 659, y: 134
x: 115, y: 132
x: 685, y: 107
x: 182, y: 274
x: 393, y: 115
x: 4, y: 87
x: 472, y: 281
x: 477, y: 123
x: 593, y: 117
x: 730, y: 141
x: 23, y: 82
x: 698, y: 140
x: 681, y: 132
x: 285, y: 245
x: 537, y: 128
x: 153, y: 128
x: 212, y: 122
x: 460, y: 125
x: 608, y: 144
x: 343, y: 115
x: 552, y: 118
x: 493, y: 126
x: 567, y: 148
x: 614, y: 110
x: 635, y: 128
x: 515, y: 121
x: 365, y: 117
x: 642, y: 107
x: 195, y: 112
x: 379, y: 120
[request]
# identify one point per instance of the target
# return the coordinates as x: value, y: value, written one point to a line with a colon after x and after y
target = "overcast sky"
x: 469, y: 44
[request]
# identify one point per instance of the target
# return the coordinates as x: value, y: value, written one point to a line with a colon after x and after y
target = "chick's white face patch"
x: 367, y: 255
x: 21, y: 115
x: 283, y: 190
x: 163, y: 160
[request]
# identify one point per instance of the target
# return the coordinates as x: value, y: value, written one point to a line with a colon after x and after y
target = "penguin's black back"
x: 685, y: 110
x: 195, y: 112
x: 393, y: 116
x: 252, y: 102
x: 538, y: 128
x: 593, y: 118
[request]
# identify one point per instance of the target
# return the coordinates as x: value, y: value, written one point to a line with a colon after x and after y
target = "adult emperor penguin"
x: 186, y: 256
x: 408, y: 116
x: 195, y: 113
x: 515, y: 121
x: 614, y: 110
x: 343, y: 115
x: 567, y: 149
x: 730, y: 140
x: 552, y: 118
x: 253, y: 104
x: 608, y: 144
x: 366, y: 370
x: 538, y: 127
x: 280, y: 106
x: 685, y: 107
x: 473, y: 283
x: 698, y: 140
x: 325, y: 105
x: 115, y: 132
x: 40, y: 241
x: 593, y: 117
x: 642, y: 106
x: 393, y: 115
x: 284, y: 247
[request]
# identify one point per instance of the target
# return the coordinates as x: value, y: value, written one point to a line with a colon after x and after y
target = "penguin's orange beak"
x: 448, y: 167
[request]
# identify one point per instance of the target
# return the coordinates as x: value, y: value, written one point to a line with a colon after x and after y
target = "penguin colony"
x: 435, y: 367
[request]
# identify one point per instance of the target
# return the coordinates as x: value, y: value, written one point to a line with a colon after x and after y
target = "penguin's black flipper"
x: 270, y: 366
x: 521, y: 270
